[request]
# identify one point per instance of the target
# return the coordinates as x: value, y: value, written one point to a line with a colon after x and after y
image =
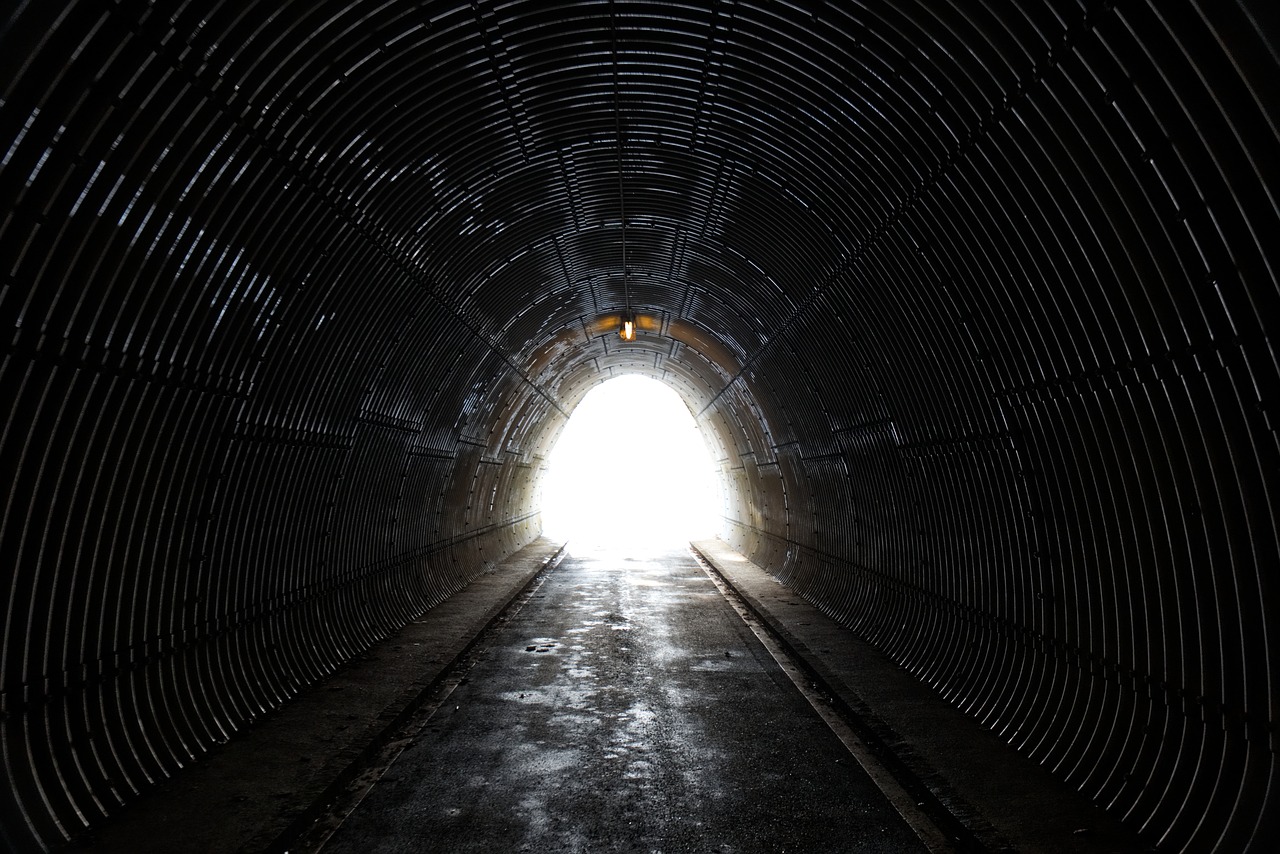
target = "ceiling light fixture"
x: 627, y: 329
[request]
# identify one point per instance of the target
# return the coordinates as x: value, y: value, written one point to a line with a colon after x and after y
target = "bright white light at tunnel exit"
x: 631, y: 469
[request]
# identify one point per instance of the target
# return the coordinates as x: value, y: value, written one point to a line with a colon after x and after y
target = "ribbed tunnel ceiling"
x: 977, y: 301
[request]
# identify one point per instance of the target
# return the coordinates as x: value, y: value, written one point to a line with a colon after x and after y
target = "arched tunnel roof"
x: 978, y: 301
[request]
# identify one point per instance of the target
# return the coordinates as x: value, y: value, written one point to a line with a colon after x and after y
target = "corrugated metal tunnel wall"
x: 979, y: 299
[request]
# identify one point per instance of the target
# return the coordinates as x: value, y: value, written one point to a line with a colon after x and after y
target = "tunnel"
x: 975, y: 303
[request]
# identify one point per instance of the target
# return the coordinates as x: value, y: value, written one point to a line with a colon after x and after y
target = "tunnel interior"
x: 977, y: 303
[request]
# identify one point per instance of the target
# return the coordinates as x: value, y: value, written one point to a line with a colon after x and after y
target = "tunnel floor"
x: 612, y: 704
x: 626, y: 707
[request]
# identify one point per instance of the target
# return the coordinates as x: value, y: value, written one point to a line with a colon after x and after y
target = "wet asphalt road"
x: 626, y: 707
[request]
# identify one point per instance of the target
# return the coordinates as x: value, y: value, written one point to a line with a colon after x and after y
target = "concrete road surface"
x: 627, y: 707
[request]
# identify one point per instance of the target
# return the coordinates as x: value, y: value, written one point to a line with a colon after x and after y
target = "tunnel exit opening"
x: 631, y: 470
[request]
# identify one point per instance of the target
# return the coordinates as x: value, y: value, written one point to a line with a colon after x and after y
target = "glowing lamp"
x: 628, y: 330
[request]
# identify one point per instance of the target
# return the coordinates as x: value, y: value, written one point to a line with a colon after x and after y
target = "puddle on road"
x: 643, y: 581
